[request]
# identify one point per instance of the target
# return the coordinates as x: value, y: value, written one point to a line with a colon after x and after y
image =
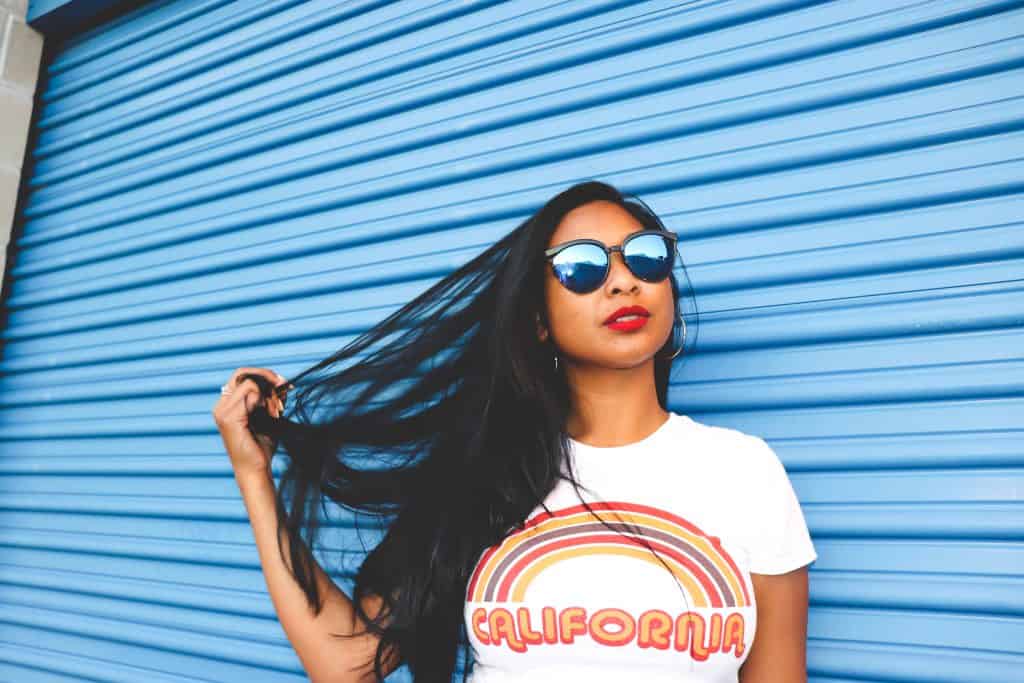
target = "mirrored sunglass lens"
x: 649, y: 257
x: 580, y: 267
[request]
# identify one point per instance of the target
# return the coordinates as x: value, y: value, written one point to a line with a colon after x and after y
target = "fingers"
x: 240, y: 396
x: 248, y: 387
x: 274, y: 378
x: 239, y: 390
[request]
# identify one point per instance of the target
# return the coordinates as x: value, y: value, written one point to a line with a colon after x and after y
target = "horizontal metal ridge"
x: 155, y: 591
x: 930, y: 629
x: 977, y: 594
x: 165, y: 648
x: 30, y: 658
x: 212, y: 550
x: 841, y: 661
x: 359, y: 51
x: 432, y: 92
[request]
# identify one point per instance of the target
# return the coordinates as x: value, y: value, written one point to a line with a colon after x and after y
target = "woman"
x: 547, y: 516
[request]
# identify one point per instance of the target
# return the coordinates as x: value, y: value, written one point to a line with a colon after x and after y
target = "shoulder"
x: 732, y: 446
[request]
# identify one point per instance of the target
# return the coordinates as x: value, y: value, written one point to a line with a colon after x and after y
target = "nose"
x: 620, y: 277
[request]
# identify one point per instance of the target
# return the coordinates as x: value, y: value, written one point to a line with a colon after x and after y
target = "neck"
x: 613, y: 406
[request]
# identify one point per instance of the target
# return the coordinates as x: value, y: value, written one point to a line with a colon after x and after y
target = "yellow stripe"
x: 523, y: 581
x: 639, y: 518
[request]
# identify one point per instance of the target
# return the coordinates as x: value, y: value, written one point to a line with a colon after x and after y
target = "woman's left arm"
x: 779, y: 651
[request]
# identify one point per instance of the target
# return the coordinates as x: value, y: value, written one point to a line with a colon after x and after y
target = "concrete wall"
x: 21, y: 49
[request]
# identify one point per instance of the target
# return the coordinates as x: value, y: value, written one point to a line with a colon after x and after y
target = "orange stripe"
x: 655, y: 518
x: 525, y: 578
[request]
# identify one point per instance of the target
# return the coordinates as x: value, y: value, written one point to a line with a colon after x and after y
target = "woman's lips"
x: 627, y: 325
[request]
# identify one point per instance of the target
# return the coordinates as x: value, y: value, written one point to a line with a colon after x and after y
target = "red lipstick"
x: 615, y: 322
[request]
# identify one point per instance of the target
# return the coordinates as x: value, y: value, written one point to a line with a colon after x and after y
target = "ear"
x: 542, y: 332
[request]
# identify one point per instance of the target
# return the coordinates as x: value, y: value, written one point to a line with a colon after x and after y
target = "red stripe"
x: 656, y: 512
x: 517, y: 568
x: 617, y: 505
x: 480, y: 568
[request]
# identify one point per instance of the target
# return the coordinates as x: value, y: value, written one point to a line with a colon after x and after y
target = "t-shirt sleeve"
x: 782, y: 542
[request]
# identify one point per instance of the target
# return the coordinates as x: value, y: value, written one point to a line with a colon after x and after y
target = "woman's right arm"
x: 326, y: 659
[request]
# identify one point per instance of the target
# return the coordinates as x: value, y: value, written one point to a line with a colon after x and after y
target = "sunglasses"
x: 582, y: 265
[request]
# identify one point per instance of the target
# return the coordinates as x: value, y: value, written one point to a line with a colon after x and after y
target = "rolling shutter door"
x: 220, y: 184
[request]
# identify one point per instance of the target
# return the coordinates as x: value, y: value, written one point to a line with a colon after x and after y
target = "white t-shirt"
x: 567, y: 599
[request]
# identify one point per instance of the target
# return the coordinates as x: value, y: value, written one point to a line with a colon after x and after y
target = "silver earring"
x: 556, y: 362
x: 684, y: 340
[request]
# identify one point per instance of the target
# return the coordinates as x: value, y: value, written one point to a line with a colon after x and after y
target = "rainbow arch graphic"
x: 700, y: 563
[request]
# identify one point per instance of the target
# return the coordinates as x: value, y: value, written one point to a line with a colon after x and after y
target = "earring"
x: 556, y: 362
x: 680, y: 317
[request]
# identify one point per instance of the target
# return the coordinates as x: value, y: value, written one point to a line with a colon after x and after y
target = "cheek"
x: 567, y: 312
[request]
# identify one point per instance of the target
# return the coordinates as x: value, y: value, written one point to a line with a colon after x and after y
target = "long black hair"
x: 445, y: 422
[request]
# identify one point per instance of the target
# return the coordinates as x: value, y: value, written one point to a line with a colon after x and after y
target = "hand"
x: 248, y: 451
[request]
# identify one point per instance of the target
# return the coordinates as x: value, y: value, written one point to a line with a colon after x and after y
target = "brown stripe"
x: 668, y: 539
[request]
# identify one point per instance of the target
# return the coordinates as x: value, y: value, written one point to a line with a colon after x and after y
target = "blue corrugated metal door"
x: 220, y: 184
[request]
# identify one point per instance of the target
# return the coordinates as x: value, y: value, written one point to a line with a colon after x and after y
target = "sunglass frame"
x: 668, y: 234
